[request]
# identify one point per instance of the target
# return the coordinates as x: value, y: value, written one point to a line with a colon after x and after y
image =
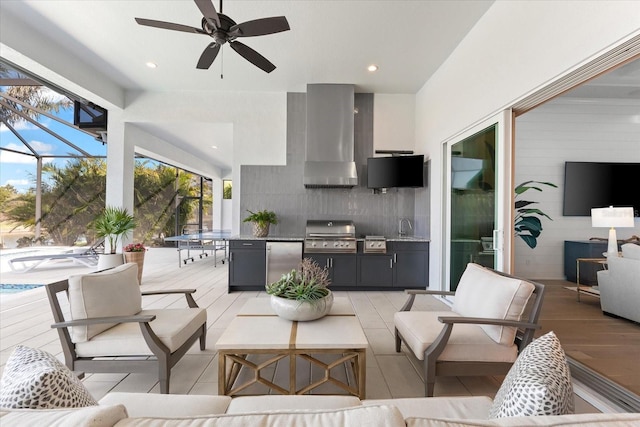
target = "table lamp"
x: 612, y: 217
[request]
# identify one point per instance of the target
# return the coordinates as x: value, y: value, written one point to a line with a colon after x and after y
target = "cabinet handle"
x: 395, y: 258
x: 231, y: 257
x: 247, y: 244
x: 328, y: 263
x: 331, y: 262
x: 390, y: 262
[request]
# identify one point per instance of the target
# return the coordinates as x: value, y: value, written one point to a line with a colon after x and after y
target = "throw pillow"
x: 35, y: 379
x: 538, y: 383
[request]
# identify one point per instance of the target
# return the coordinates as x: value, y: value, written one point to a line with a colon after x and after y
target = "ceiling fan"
x: 224, y: 29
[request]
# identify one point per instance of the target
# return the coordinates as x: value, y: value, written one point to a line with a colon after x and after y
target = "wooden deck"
x: 25, y: 319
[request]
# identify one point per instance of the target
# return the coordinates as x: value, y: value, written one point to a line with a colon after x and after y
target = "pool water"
x: 15, y: 288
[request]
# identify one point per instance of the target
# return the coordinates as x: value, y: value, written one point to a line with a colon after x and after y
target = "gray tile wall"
x: 280, y: 188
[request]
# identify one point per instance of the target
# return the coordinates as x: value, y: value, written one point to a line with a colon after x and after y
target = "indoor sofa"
x: 619, y: 285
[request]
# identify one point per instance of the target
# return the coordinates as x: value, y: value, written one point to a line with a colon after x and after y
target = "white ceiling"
x: 330, y: 41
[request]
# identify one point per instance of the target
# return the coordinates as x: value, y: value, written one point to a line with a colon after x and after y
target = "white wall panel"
x: 548, y: 136
x: 508, y: 55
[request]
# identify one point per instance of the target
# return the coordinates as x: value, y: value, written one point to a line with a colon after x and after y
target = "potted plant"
x: 526, y: 225
x: 112, y: 224
x: 261, y: 221
x: 303, y: 293
x: 134, y: 252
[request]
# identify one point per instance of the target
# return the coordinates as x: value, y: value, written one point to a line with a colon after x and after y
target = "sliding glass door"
x: 477, y: 197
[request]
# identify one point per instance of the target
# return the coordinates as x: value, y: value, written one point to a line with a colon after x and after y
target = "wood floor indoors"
x: 25, y: 318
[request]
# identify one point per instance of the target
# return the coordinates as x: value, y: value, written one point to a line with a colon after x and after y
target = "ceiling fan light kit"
x: 223, y: 29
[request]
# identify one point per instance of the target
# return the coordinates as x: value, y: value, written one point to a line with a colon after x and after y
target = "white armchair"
x: 620, y: 285
x: 482, y: 334
x: 107, y: 327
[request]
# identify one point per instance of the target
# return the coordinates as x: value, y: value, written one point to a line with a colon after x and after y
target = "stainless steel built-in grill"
x: 375, y: 245
x: 330, y: 237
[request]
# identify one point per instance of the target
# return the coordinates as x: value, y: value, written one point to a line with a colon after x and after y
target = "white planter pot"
x: 106, y: 261
x: 301, y: 311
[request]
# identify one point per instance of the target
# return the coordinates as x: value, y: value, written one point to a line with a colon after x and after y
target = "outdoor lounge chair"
x: 106, y: 329
x: 483, y: 332
x: 88, y: 258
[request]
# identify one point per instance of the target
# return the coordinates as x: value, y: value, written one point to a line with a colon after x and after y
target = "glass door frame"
x: 502, y: 240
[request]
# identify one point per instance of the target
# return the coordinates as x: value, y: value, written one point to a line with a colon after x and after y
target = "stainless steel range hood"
x: 330, y: 146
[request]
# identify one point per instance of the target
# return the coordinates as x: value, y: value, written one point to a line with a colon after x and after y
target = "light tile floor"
x: 25, y: 319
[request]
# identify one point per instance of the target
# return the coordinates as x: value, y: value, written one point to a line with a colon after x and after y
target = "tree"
x: 37, y: 96
x: 73, y: 195
x: 7, y: 194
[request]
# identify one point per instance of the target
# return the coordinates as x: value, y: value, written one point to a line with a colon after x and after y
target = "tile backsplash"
x: 281, y: 189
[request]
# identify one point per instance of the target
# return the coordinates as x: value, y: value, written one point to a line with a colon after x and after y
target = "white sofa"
x: 619, y: 285
x: 155, y: 410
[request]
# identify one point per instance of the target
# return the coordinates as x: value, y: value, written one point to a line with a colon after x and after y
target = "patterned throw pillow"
x: 34, y: 379
x: 538, y: 383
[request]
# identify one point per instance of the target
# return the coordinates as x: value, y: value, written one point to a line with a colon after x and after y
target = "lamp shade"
x: 612, y: 217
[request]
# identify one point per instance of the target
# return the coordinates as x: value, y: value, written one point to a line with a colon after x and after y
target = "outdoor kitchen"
x: 363, y: 237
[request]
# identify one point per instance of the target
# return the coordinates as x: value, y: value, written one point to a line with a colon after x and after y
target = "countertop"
x: 275, y: 238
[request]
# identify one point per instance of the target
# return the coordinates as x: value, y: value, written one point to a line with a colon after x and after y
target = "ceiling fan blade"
x: 169, y: 26
x: 252, y: 56
x: 208, y: 10
x: 208, y: 56
x: 260, y: 27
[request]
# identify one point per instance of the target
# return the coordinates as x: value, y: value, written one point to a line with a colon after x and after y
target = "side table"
x: 601, y: 261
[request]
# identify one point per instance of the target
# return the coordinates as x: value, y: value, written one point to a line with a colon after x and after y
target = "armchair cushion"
x: 172, y: 326
x: 484, y: 293
x: 539, y: 383
x: 466, y: 343
x: 113, y: 292
x: 35, y: 379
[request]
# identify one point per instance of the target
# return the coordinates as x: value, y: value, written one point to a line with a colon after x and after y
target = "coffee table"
x: 257, y: 330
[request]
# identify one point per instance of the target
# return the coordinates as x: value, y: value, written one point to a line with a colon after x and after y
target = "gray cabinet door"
x: 343, y: 270
x: 375, y: 270
x: 411, y: 269
x: 247, y: 265
x: 342, y: 267
x: 411, y: 264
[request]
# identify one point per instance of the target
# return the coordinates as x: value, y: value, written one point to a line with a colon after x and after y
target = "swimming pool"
x: 6, y: 288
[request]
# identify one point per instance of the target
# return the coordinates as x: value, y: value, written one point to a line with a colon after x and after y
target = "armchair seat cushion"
x: 173, y: 327
x: 467, y: 342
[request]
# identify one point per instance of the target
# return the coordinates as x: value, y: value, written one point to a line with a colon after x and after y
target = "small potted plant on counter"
x: 302, y: 294
x: 261, y: 221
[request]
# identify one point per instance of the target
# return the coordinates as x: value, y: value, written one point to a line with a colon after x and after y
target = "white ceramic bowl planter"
x: 302, y: 311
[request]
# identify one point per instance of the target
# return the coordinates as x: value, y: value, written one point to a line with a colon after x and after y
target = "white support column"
x: 120, y: 164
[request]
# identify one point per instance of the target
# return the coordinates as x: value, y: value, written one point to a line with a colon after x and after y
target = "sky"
x: 19, y: 170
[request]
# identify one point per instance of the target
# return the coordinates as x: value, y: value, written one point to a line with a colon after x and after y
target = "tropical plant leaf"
x: 534, y: 211
x: 529, y: 240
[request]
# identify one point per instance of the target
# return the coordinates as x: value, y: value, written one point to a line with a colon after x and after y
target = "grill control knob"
x: 335, y: 244
x: 324, y: 244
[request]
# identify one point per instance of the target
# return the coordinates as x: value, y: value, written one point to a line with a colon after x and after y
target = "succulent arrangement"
x: 307, y: 283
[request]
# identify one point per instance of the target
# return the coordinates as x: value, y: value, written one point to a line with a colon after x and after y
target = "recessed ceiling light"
x: 152, y: 64
x: 372, y: 68
x: 215, y: 147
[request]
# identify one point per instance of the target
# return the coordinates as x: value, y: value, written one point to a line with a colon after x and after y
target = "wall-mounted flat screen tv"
x: 597, y: 185
x: 395, y: 171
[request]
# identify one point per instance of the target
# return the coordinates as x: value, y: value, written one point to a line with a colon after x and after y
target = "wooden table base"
x: 231, y: 362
